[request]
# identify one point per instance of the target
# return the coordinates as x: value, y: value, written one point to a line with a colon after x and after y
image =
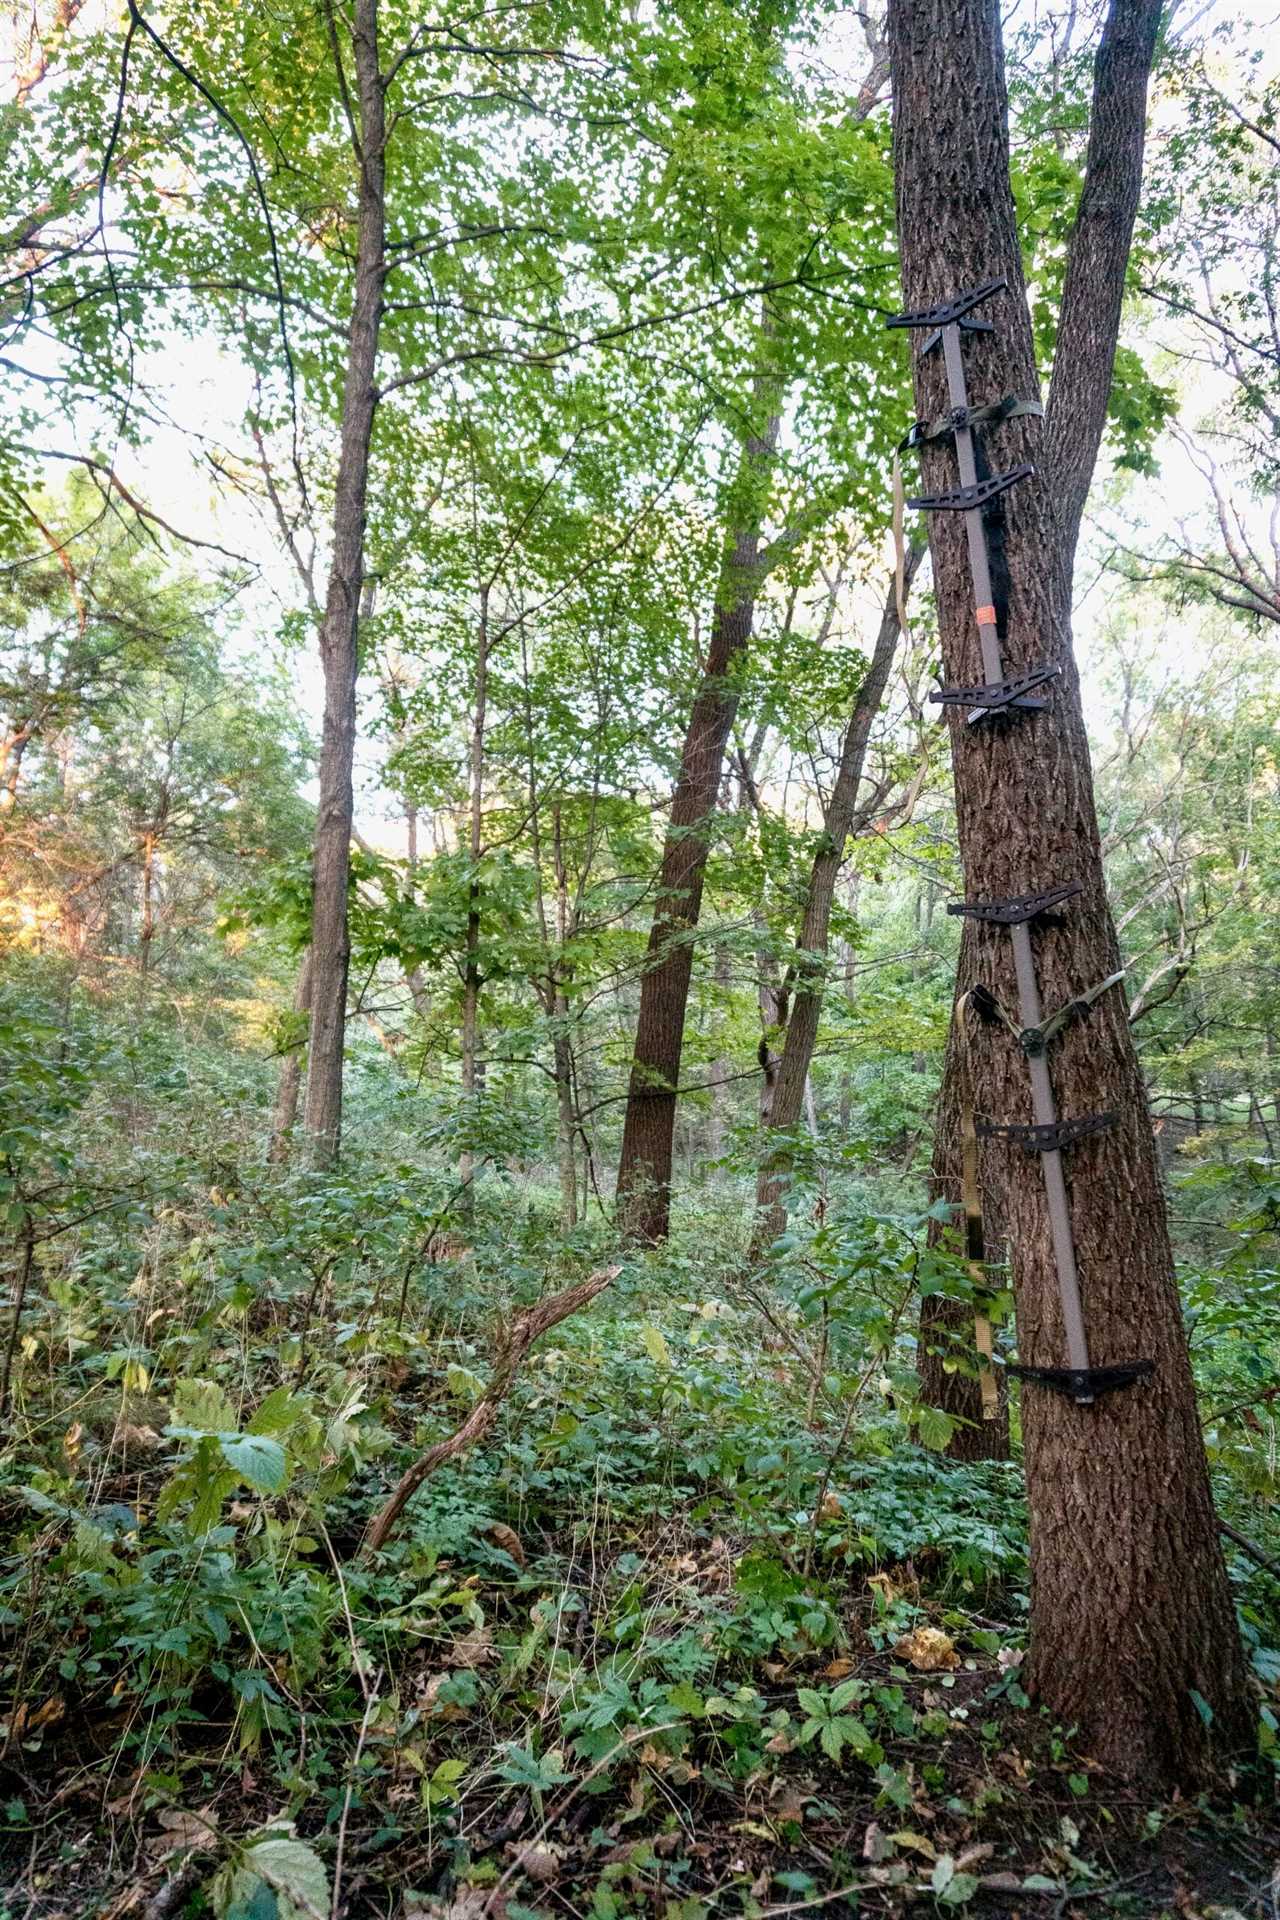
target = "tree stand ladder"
x: 1001, y: 695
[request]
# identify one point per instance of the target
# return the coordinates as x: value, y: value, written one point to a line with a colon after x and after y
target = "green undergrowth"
x: 706, y: 1623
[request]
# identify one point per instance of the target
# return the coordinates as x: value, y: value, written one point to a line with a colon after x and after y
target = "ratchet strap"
x: 922, y: 432
x: 1035, y: 1039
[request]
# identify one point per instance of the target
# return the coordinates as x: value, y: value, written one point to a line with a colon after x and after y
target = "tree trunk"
x: 147, y: 929
x: 25, y: 1265
x: 644, y: 1167
x: 721, y: 1068
x: 1131, y: 1616
x: 809, y: 965
x: 945, y: 1352
x: 471, y: 982
x: 566, y: 1119
x: 339, y: 629
x: 12, y: 748
x: 290, y: 1081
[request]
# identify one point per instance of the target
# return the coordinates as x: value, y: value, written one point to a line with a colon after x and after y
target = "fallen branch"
x: 528, y: 1326
x: 1265, y: 1560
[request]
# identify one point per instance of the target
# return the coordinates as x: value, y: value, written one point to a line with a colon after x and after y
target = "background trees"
x: 544, y: 438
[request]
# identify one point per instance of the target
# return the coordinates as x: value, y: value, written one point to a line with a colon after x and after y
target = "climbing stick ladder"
x: 1004, y: 697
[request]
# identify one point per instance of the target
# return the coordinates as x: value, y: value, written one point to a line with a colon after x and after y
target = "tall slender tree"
x: 807, y: 971
x: 1133, y: 1637
x: 331, y: 936
x: 644, y: 1168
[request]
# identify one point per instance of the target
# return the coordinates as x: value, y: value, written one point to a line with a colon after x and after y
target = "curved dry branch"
x: 528, y: 1326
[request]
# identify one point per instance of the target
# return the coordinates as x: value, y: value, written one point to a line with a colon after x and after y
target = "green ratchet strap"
x: 923, y: 432
x: 1036, y: 1039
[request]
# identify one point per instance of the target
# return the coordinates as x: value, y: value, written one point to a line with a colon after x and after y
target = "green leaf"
x: 203, y: 1406
x: 934, y: 1428
x: 278, y: 1412
x: 274, y: 1865
x: 260, y: 1462
x: 854, y: 1734
x: 295, y: 1873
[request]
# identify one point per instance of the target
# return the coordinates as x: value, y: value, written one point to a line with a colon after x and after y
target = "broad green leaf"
x: 258, y: 1460
x: 295, y: 1873
x: 934, y: 1428
x: 278, y: 1412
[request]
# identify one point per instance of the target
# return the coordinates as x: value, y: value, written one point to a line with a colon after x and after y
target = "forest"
x: 639, y: 993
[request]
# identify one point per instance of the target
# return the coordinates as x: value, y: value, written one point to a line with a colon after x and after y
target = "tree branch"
x: 1098, y: 256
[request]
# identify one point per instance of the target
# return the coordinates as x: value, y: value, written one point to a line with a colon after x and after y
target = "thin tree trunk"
x: 562, y: 1046
x: 290, y: 1081
x: 339, y: 629
x: 12, y: 749
x: 471, y: 982
x: 721, y: 1067
x: 946, y: 1356
x: 809, y: 963
x: 644, y: 1168
x: 566, y: 1119
x: 147, y: 929
x: 1131, y: 1615
x: 19, y: 1301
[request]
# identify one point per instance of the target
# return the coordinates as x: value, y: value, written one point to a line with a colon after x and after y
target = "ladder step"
x: 1048, y: 1138
x: 999, y: 695
x: 965, y: 499
x: 1023, y: 907
x: 949, y: 310
x: 1084, y: 1384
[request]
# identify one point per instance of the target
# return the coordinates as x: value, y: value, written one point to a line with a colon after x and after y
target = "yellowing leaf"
x: 655, y: 1346
x: 929, y: 1650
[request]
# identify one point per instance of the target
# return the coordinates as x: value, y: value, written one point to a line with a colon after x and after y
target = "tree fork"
x: 1132, y: 1625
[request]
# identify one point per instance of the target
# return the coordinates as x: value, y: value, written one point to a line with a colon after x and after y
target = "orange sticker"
x: 985, y: 616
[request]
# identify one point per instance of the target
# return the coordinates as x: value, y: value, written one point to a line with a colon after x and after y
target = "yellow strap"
x: 975, y: 1246
x: 899, y: 549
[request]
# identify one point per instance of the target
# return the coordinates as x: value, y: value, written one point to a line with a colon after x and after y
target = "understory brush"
x: 706, y: 1622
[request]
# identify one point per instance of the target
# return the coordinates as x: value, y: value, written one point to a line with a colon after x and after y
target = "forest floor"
x: 617, y: 1663
x: 995, y: 1815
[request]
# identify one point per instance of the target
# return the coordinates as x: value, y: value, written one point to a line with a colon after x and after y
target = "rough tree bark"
x: 644, y: 1167
x: 339, y: 628
x: 1079, y: 393
x: 147, y: 928
x: 807, y: 974
x: 1131, y: 1616
x: 12, y: 748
